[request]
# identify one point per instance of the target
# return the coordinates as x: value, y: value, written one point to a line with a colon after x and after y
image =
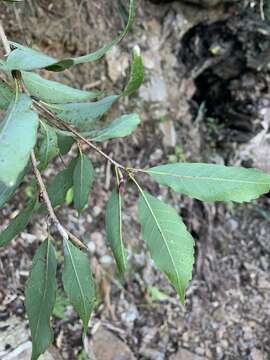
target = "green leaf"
x: 170, y: 244
x: 3, y: 66
x: 157, y: 295
x: 60, y: 306
x: 6, y: 192
x: 18, y: 224
x: 78, y: 282
x: 83, y: 178
x: 114, y: 229
x: 40, y: 298
x: 6, y: 95
x: 60, y: 185
x: 17, y: 138
x: 136, y: 73
x: 48, y: 148
x: 64, y: 143
x: 209, y: 182
x: 121, y: 127
x: 54, y: 92
x: 102, y: 51
x: 83, y: 115
x: 24, y: 58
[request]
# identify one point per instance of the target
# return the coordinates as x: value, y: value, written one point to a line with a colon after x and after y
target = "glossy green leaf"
x: 48, y: 148
x: 24, y: 58
x: 64, y: 143
x: 6, y: 192
x: 18, y: 135
x: 40, y: 298
x: 84, y: 115
x: 83, y: 178
x: 170, y: 244
x: 114, y: 230
x: 136, y: 73
x: 121, y: 127
x: 6, y: 95
x: 102, y: 51
x: 209, y: 182
x: 17, y: 225
x: 78, y: 282
x: 54, y: 92
x: 60, y: 185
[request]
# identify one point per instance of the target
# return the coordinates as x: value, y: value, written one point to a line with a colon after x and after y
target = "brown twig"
x: 4, y: 39
x: 61, y: 124
x: 65, y: 234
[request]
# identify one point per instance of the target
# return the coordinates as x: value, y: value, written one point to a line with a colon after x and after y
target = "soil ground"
x: 205, y: 98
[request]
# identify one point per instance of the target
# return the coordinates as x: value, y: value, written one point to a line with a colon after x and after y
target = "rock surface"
x: 107, y: 346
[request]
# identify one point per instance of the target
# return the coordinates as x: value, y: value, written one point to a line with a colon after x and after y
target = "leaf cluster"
x: 43, y: 120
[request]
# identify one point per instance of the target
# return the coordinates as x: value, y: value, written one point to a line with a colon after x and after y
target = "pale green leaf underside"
x: 83, y: 178
x: 78, y: 282
x: 17, y: 138
x: 54, y: 92
x: 210, y: 182
x: 121, y: 127
x: 114, y: 230
x: 3, y: 66
x: 40, y: 298
x: 24, y: 58
x: 6, y: 95
x: 170, y: 244
x: 17, y: 225
x: 84, y: 115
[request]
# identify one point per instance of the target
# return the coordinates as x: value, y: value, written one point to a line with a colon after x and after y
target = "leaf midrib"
x: 121, y: 231
x: 60, y: 92
x: 190, y: 177
x: 78, y: 280
x: 45, y: 292
x: 164, y: 238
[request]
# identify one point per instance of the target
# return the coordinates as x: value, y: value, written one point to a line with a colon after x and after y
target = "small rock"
x: 91, y: 247
x: 106, y: 261
x: 256, y: 354
x: 117, y: 63
x: 156, y: 155
x: 168, y: 130
x: 24, y: 350
x: 107, y: 346
x: 155, y: 90
x: 128, y: 317
x: 153, y: 354
x: 231, y: 225
x: 183, y: 354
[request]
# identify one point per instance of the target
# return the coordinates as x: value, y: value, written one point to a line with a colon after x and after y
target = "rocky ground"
x: 205, y: 98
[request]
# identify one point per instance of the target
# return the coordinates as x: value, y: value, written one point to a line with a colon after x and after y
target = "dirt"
x: 207, y: 80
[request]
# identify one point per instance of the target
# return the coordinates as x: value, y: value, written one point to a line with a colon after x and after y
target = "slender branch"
x: 62, y: 231
x: 4, y: 39
x: 56, y: 122
x: 262, y: 10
